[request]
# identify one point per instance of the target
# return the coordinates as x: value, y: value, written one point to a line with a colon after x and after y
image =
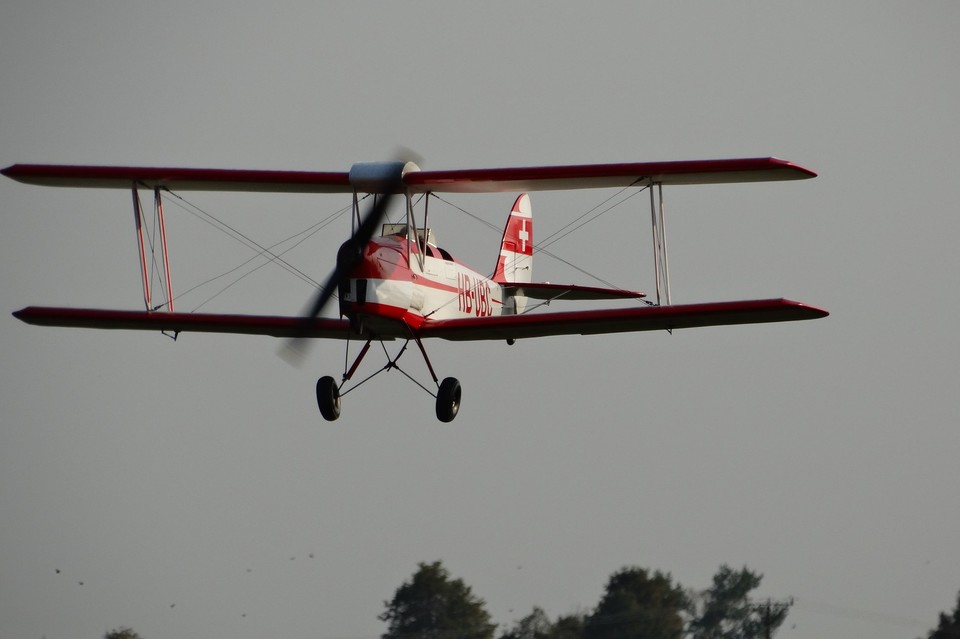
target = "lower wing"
x: 505, y: 327
x: 621, y: 320
x: 274, y: 326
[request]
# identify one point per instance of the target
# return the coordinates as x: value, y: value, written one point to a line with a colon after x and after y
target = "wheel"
x: 448, y: 399
x: 328, y: 398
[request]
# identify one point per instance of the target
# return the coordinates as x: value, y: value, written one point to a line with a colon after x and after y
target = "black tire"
x: 448, y: 399
x: 328, y: 398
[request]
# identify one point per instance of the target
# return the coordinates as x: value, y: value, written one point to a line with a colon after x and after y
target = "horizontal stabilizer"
x: 569, y: 292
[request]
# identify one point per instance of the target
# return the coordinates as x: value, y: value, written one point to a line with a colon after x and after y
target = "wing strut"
x: 661, y: 265
x: 146, y: 271
x: 138, y: 220
x: 158, y: 205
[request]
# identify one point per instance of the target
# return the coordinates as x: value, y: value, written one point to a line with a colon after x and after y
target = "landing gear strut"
x: 448, y: 391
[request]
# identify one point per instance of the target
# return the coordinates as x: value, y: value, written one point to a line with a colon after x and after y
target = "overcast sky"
x: 191, y: 488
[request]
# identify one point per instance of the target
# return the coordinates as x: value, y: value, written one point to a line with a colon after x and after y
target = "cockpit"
x: 425, y: 239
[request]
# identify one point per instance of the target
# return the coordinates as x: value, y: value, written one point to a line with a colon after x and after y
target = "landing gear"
x: 328, y: 398
x: 447, y: 395
x: 448, y: 399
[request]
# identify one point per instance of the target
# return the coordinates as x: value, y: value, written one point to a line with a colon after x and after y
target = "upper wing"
x: 621, y: 320
x: 586, y: 176
x: 180, y: 179
x: 415, y: 181
x: 196, y: 322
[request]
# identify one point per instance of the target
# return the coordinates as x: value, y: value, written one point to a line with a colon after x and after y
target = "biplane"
x: 393, y: 282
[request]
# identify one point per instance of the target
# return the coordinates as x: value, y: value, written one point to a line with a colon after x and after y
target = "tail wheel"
x: 328, y: 398
x: 448, y: 399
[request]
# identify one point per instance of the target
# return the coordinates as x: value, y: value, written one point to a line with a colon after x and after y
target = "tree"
x: 537, y: 625
x: 121, y: 633
x: 637, y: 605
x: 949, y: 626
x: 568, y: 627
x: 725, y: 611
x: 432, y: 606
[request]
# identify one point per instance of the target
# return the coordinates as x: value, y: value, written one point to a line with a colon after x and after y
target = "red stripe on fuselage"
x: 386, y: 259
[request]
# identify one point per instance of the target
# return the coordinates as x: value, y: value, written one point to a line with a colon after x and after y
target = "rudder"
x: 515, y: 263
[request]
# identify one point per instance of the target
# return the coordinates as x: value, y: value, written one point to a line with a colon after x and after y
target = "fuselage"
x: 401, y: 283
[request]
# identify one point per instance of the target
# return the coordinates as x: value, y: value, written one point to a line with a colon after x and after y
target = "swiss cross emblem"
x: 523, y: 235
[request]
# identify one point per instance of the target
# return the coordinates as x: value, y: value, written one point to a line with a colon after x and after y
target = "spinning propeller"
x: 383, y: 179
x: 349, y: 256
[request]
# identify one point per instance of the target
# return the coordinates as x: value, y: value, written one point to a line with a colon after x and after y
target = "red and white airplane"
x: 400, y: 285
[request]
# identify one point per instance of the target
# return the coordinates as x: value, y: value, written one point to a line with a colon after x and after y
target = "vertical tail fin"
x: 515, y: 264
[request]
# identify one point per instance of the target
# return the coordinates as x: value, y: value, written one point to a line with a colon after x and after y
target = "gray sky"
x: 193, y: 487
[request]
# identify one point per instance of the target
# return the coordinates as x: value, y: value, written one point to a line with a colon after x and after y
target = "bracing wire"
x: 271, y: 255
x: 219, y: 224
x: 307, y: 234
x: 540, y: 247
x: 559, y: 234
